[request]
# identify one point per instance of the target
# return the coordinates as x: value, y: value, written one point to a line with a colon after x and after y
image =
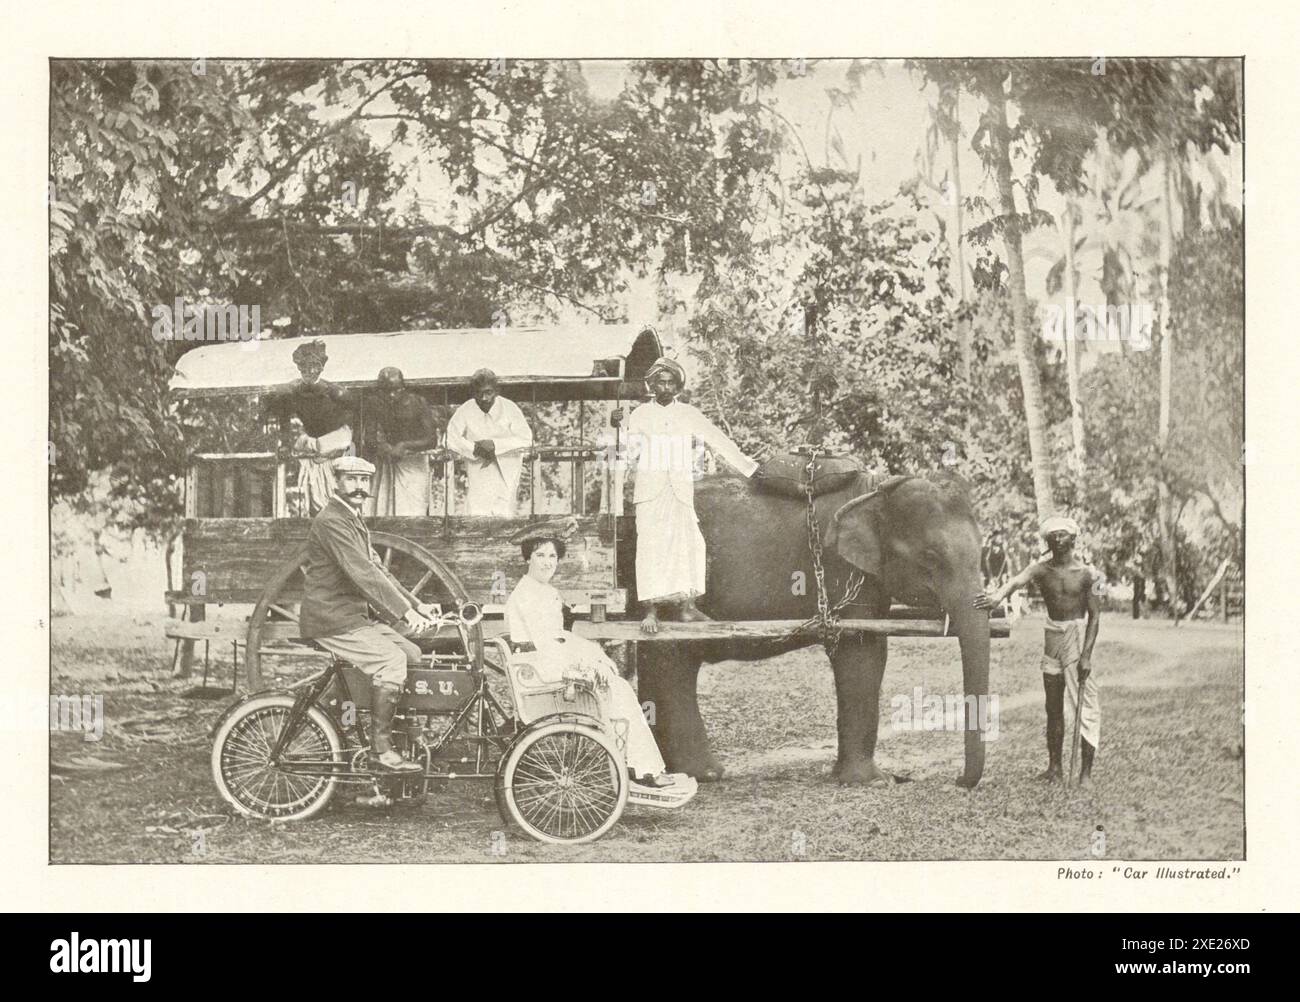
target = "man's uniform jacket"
x: 343, y: 576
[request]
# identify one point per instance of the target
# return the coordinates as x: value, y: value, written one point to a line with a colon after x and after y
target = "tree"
x: 1057, y: 106
x: 1069, y: 222
x: 1170, y: 112
x: 353, y: 196
x: 945, y: 129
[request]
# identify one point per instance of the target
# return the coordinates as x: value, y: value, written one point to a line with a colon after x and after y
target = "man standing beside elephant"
x: 661, y: 437
x: 1069, y: 588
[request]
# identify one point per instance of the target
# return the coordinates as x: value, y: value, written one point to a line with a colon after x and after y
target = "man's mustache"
x: 358, y: 493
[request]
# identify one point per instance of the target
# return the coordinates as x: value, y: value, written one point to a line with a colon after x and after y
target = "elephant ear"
x: 854, y: 533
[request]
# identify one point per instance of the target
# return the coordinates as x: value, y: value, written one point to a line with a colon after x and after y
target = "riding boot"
x: 383, y: 704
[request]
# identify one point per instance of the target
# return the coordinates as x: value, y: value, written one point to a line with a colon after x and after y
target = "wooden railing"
x: 256, y: 484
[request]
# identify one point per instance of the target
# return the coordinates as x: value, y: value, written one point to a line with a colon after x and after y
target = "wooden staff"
x: 1078, y: 721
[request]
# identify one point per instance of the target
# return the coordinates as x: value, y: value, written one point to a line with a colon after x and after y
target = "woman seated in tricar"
x: 535, y: 621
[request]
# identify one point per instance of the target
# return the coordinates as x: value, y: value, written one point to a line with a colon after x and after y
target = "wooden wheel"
x: 274, y: 622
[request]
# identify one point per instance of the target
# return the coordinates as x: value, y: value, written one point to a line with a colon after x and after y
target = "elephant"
x: 913, y: 538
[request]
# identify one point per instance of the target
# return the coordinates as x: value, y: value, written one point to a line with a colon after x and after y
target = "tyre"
x: 241, y: 750
x: 562, y: 782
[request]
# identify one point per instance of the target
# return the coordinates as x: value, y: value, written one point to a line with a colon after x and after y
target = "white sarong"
x: 315, y: 476
x: 401, y: 486
x: 670, y: 550
x: 662, y: 445
x: 1062, y: 648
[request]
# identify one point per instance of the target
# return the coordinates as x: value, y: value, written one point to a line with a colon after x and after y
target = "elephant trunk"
x: 972, y: 628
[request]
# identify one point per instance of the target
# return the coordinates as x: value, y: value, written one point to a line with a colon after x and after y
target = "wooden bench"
x: 190, y: 633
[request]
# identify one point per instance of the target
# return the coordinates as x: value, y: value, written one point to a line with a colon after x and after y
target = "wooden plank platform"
x: 626, y: 629
x: 770, y: 628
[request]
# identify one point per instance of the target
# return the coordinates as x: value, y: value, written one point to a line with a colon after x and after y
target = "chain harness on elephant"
x: 827, y: 618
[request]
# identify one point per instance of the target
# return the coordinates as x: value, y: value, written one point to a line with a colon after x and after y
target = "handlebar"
x: 466, y: 616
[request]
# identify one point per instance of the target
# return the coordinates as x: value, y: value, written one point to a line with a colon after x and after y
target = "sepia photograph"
x: 647, y: 460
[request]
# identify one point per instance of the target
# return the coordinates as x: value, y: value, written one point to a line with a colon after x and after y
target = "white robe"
x: 661, y: 445
x: 535, y: 615
x: 493, y: 483
x: 1062, y: 648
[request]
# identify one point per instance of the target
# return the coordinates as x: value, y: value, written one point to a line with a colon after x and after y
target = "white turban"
x: 1058, y: 523
x: 665, y: 364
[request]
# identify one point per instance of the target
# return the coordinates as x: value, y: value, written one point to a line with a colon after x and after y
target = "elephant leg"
x: 667, y: 675
x: 859, y: 666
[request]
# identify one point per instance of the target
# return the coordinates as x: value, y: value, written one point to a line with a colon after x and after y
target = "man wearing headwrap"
x: 662, y: 435
x: 344, y: 578
x: 493, y: 434
x: 1071, y: 591
x: 326, y: 416
x: 400, y: 436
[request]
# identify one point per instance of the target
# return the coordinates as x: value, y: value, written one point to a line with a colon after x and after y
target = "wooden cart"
x: 244, y: 535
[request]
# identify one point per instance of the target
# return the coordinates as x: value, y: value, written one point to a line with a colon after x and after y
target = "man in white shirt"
x: 661, y: 442
x: 492, y: 433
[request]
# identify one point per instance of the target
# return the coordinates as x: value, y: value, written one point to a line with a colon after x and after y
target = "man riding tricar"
x: 344, y: 578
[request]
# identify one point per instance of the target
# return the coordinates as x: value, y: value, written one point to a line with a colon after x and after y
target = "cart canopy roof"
x: 577, y: 362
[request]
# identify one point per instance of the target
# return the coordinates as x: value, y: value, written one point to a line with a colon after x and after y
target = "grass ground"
x: 1169, y: 774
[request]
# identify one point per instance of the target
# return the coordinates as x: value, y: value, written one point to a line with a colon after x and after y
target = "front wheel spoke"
x: 592, y: 758
x: 583, y: 810
x: 550, y: 809
x: 531, y: 804
x: 254, y: 780
x: 266, y: 779
x: 534, y: 773
x: 551, y: 757
x: 597, y: 798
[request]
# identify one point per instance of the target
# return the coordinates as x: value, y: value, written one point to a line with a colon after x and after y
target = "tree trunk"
x: 168, y: 554
x: 958, y: 252
x: 1165, y: 500
x: 1071, y: 341
x: 1030, y: 385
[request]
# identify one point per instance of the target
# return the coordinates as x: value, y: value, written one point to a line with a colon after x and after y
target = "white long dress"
x: 661, y: 443
x: 535, y: 614
x: 493, y: 483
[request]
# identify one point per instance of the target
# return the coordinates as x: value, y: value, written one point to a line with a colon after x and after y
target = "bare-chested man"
x: 1070, y: 590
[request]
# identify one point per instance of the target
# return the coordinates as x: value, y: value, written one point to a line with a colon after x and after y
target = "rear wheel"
x: 273, y: 625
x: 241, y: 760
x: 562, y: 782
